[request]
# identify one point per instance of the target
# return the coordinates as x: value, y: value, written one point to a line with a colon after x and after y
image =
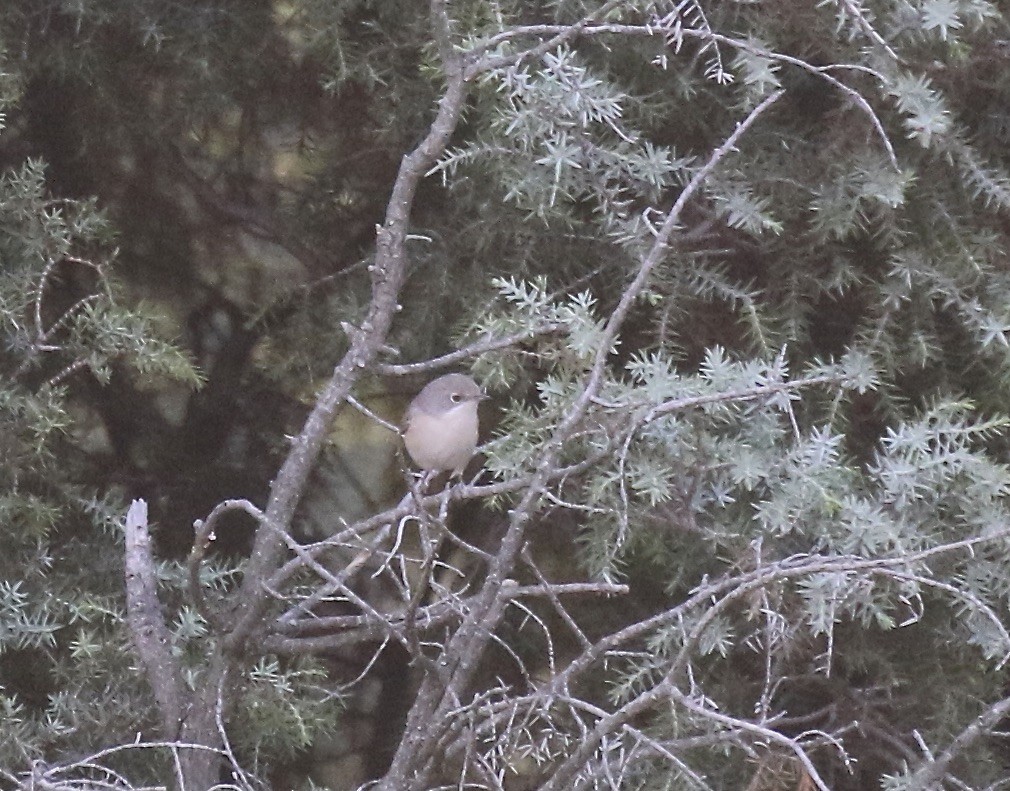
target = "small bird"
x: 440, y: 424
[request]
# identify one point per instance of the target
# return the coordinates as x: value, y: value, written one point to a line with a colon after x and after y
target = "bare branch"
x: 80, y: 773
x: 765, y: 733
x: 320, y: 633
x: 388, y: 275
x: 150, y: 635
x: 364, y: 410
x: 408, y: 507
x: 931, y: 773
x: 474, y: 349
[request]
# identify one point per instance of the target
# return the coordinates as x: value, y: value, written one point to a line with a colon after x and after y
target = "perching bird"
x: 440, y: 424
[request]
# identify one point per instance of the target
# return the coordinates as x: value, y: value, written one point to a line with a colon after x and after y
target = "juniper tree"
x: 735, y: 274
x: 68, y: 679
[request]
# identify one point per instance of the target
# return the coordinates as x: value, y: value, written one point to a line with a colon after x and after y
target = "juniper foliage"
x: 775, y: 410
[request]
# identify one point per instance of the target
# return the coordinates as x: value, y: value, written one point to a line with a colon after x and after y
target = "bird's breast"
x: 442, y: 442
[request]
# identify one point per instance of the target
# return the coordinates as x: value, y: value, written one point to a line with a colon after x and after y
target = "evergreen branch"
x: 853, y: 8
x: 966, y: 595
x: 43, y: 337
x: 478, y: 63
x: 46, y: 276
x: 695, y: 15
x: 822, y: 72
x: 61, y: 376
x: 985, y: 181
x: 743, y: 394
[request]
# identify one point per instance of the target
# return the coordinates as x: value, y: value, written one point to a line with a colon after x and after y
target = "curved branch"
x: 203, y: 536
x: 823, y: 72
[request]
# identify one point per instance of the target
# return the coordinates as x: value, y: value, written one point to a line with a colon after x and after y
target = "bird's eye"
x: 456, y: 398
